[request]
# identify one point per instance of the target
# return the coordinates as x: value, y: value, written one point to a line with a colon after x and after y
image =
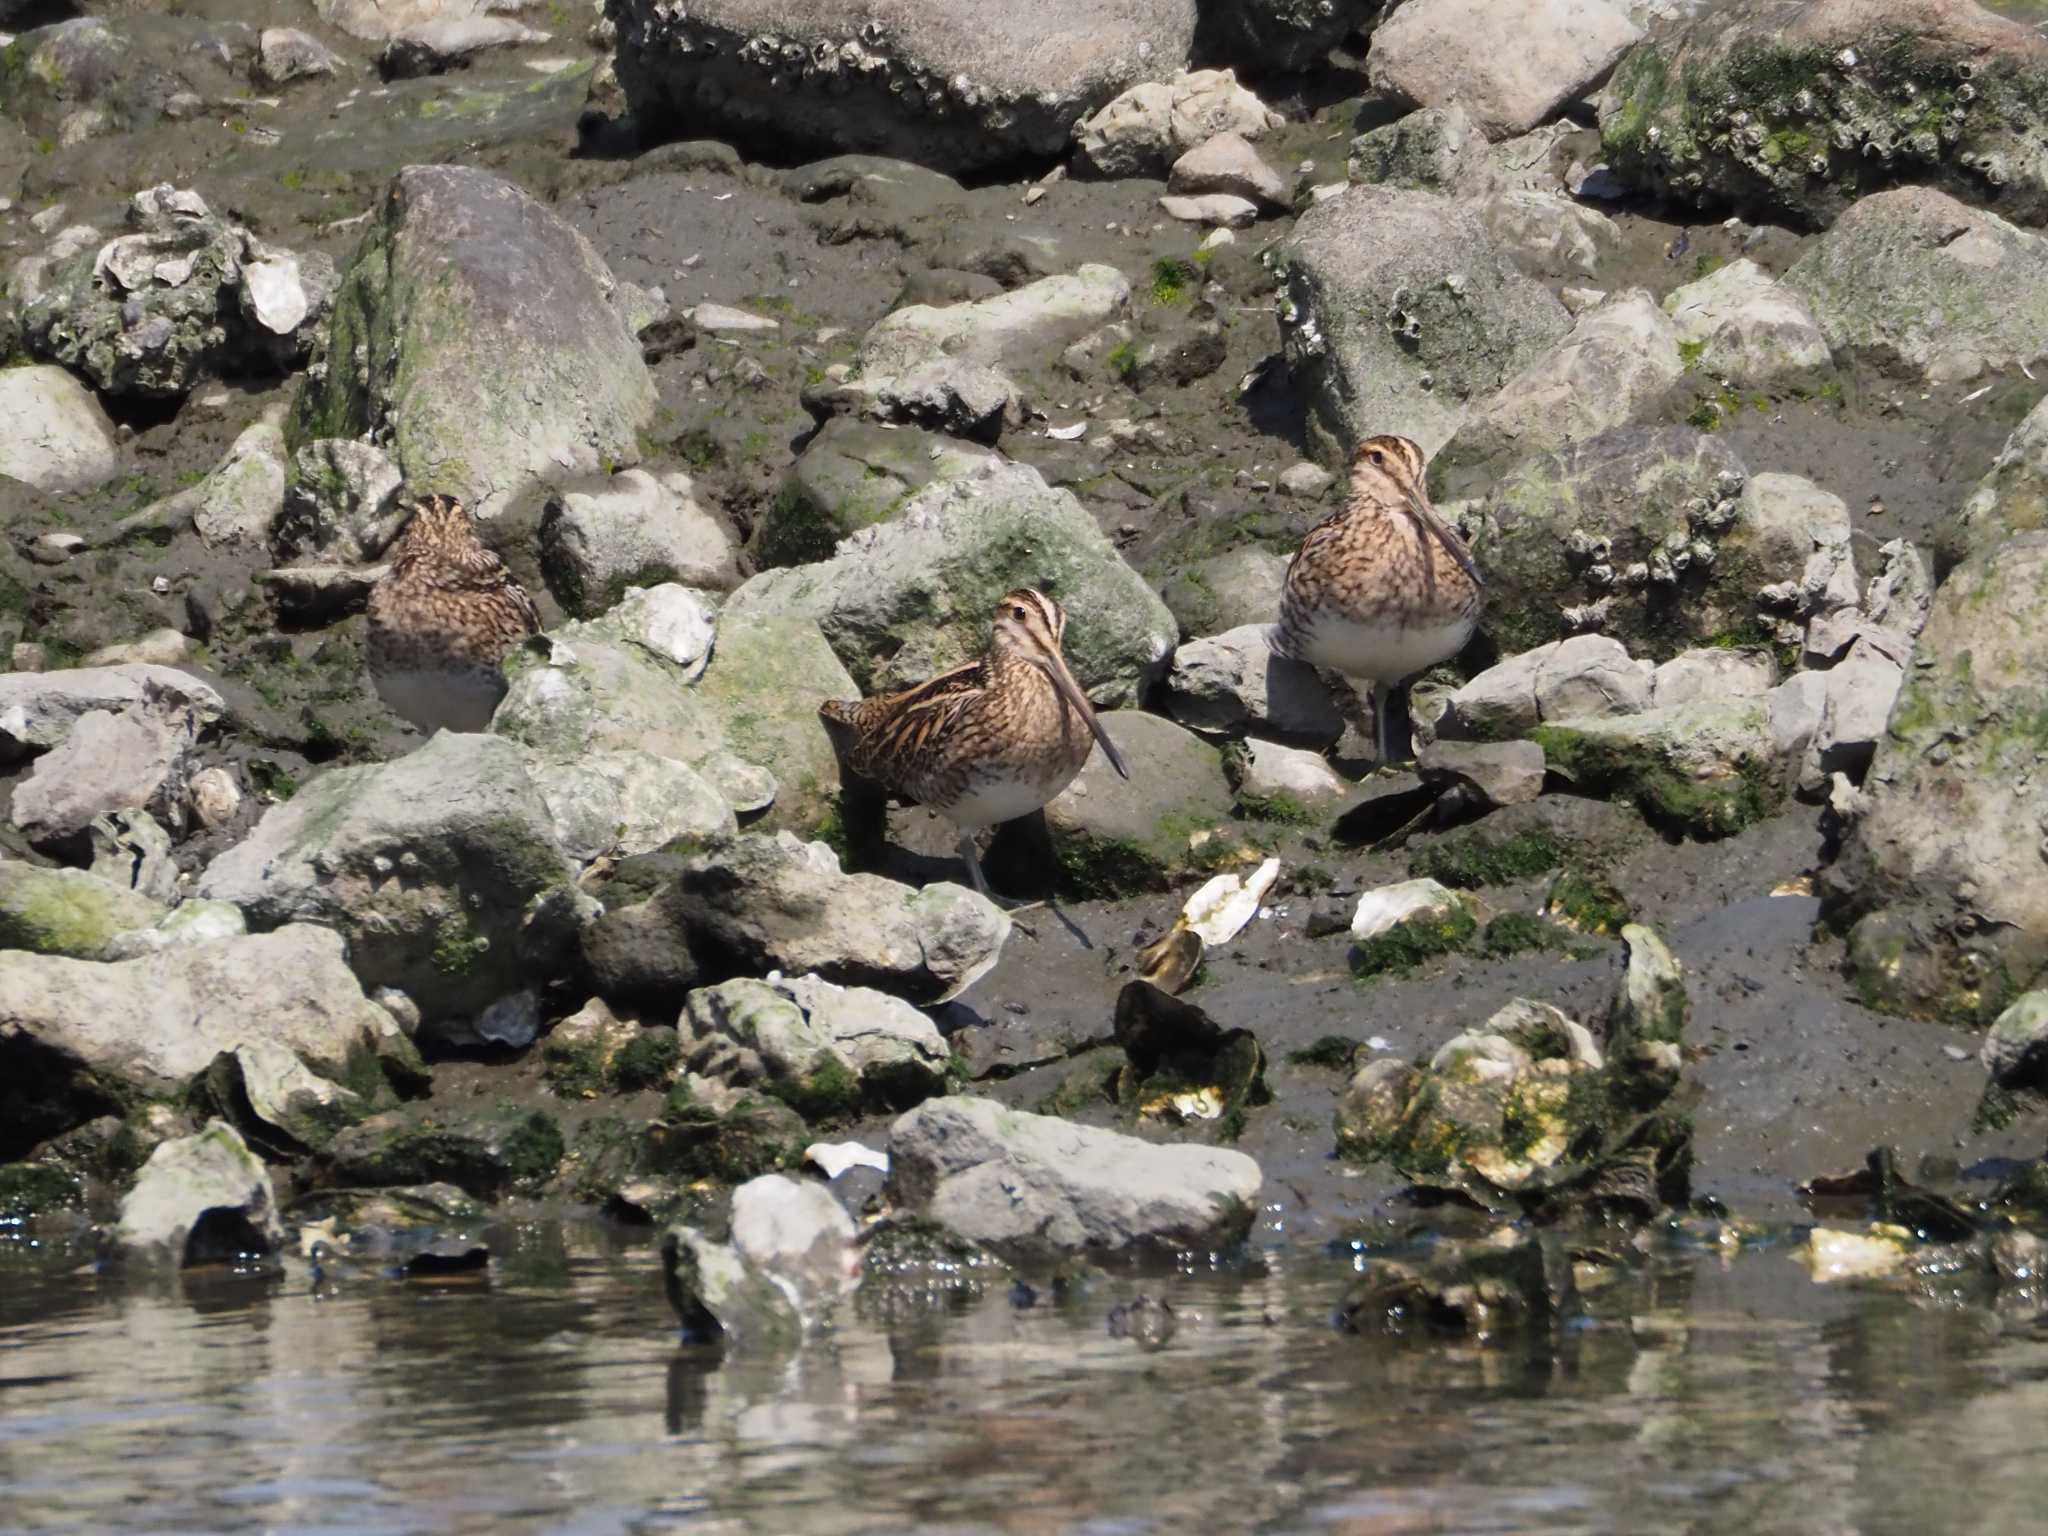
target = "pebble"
x: 1305, y: 480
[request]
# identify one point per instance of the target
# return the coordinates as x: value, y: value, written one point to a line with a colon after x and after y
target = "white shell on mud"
x: 1220, y: 909
x: 834, y: 1157
x: 275, y: 293
x: 1391, y: 905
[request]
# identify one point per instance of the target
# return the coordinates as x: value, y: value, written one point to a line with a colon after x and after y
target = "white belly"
x: 1002, y: 799
x: 1381, y: 653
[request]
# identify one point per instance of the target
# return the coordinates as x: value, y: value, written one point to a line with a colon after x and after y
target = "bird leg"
x: 969, y: 853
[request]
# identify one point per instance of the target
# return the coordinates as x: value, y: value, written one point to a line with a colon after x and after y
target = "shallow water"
x: 1702, y: 1394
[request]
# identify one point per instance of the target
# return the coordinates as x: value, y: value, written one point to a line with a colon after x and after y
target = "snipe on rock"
x: 1384, y: 588
x: 986, y: 742
x: 441, y: 620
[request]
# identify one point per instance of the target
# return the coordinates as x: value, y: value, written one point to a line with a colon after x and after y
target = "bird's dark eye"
x: 1016, y: 613
x: 1376, y: 456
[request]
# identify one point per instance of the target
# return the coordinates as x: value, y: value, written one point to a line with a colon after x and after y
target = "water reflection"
x: 1700, y: 1394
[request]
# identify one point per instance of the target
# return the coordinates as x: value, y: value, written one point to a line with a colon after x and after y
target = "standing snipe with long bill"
x: 1384, y: 588
x: 986, y: 742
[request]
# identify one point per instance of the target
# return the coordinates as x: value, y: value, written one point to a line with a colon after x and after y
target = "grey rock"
x: 143, y: 1028
x: 2015, y: 1050
x: 201, y: 1199
x: 1751, y: 331
x: 854, y: 473
x: 1267, y: 775
x: 963, y: 88
x: 431, y: 865
x: 1548, y: 235
x: 38, y: 710
x: 1489, y: 773
x: 631, y: 531
x: 130, y: 849
x: 1744, y: 672
x: 58, y: 438
x: 628, y: 802
x: 1219, y: 209
x: 2011, y: 498
x: 285, y: 54
x: 508, y: 362
x: 1121, y: 834
x: 954, y: 368
x: 448, y: 42
x: 1228, y: 163
x: 1612, y: 368
x: 486, y: 1149
x: 1233, y: 682
x: 618, y: 684
x: 760, y: 903
x: 66, y: 911
x: 1940, y: 881
x: 108, y: 762
x: 1511, y: 65
x: 160, y: 647
x: 1384, y: 289
x: 1792, y: 525
x: 1218, y: 592
x: 1036, y: 1186
x: 919, y: 589
x: 1912, y: 278
x: 1794, y: 111
x: 270, y: 1095
x: 1310, y: 482
x: 381, y: 20
x: 1587, y: 675
x: 238, y: 501
x: 173, y: 301
x: 1149, y: 126
x: 794, y: 1029
x: 342, y: 503
x: 791, y: 1261
x: 1707, y: 769
x: 1438, y: 149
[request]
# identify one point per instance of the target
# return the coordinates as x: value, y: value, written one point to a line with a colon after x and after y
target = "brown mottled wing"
x: 892, y: 737
x: 474, y: 569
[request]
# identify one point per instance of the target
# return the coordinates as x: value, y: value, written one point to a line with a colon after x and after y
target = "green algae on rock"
x: 1797, y: 109
x: 1939, y: 886
x: 485, y: 337
x: 1705, y: 768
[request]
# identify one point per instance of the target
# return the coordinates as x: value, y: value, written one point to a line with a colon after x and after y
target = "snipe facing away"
x: 441, y: 620
x: 985, y: 742
x: 1384, y: 588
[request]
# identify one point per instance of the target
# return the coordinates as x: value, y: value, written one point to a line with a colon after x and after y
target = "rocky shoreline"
x: 771, y: 349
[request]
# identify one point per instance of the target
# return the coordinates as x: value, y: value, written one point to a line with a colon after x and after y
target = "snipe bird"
x: 986, y: 742
x: 441, y: 620
x: 1384, y: 588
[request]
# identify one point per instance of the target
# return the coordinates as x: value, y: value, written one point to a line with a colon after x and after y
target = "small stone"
x: 1219, y: 208
x: 1227, y: 163
x: 723, y: 320
x: 1307, y: 481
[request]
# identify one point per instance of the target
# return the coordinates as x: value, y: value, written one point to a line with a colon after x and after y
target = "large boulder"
x: 1914, y: 280
x: 484, y: 339
x: 1941, y: 882
x: 853, y: 474
x: 760, y: 903
x: 80, y: 1038
x: 2011, y: 498
x: 58, y: 438
x: 432, y: 865
x: 1748, y: 330
x: 1036, y: 1186
x: 646, y: 677
x: 955, y: 367
x: 1398, y: 311
x: 631, y: 531
x: 1612, y: 368
x: 1657, y: 536
x: 821, y: 1048
x: 184, y: 295
x: 1796, y: 108
x: 907, y: 598
x: 1510, y: 63
x: 200, y: 1199
x: 964, y: 87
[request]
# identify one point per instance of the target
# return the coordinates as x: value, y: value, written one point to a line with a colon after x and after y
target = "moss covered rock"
x: 1797, y: 109
x: 852, y: 475
x: 488, y: 1150
x: 916, y: 594
x: 484, y: 338
x: 605, y: 686
x: 2012, y: 498
x: 1707, y: 768
x: 430, y: 864
x: 1940, y: 885
x: 66, y: 911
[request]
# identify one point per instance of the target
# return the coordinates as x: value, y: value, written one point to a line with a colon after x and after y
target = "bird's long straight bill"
x: 1447, y: 536
x: 1063, y: 681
